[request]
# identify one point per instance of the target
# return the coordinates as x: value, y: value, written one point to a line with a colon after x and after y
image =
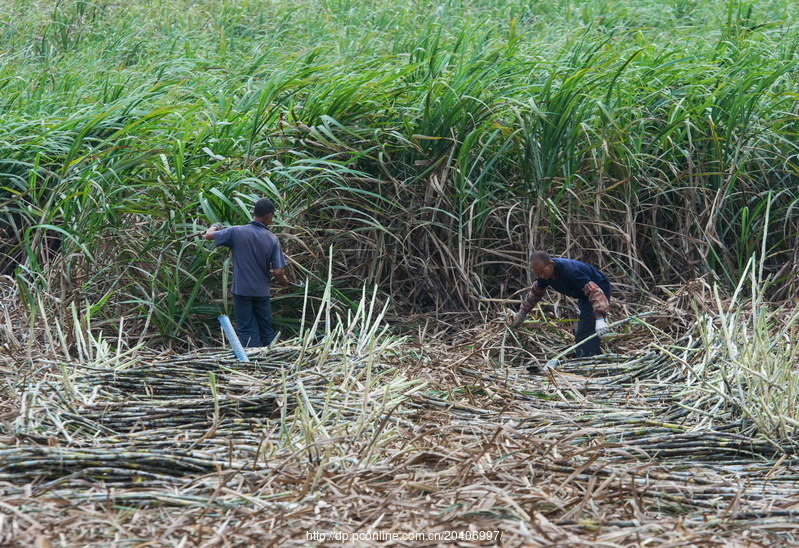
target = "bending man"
x: 574, y: 279
x: 256, y: 251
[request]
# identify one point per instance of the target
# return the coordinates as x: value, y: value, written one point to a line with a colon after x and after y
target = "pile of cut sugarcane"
x: 364, y: 432
x: 163, y: 420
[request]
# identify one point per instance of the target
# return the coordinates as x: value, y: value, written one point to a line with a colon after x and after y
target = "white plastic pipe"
x: 230, y: 333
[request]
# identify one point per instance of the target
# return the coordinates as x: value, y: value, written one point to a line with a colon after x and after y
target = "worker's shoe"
x: 551, y: 364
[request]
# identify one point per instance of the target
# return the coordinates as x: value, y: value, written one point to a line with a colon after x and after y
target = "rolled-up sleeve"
x: 532, y: 298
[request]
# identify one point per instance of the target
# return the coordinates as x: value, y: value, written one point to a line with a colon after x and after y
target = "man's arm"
x: 209, y: 234
x: 599, y: 302
x: 280, y: 277
x: 278, y: 260
x: 532, y: 298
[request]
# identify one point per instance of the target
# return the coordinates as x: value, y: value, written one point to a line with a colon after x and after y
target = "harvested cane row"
x: 317, y: 440
x: 170, y: 408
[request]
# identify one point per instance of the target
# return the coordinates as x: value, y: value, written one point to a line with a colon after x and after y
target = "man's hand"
x: 602, y: 328
x: 518, y: 320
x: 280, y: 277
x: 209, y: 234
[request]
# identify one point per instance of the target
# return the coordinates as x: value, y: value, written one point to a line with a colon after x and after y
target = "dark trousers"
x: 585, y: 328
x: 253, y: 320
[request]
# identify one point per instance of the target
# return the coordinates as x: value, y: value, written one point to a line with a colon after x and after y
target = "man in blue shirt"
x: 256, y: 251
x: 580, y: 281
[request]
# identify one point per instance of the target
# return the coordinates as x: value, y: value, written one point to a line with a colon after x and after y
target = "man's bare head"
x: 263, y: 211
x: 543, y: 265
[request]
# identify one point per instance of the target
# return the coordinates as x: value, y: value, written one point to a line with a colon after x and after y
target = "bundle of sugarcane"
x: 188, y: 374
x: 24, y: 464
x: 126, y: 415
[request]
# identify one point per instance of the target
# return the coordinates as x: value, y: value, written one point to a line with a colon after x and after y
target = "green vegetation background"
x: 430, y: 145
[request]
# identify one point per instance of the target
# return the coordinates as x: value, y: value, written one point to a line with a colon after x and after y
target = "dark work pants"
x: 585, y: 328
x: 253, y: 320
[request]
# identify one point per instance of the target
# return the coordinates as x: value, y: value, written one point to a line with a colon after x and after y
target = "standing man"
x: 577, y: 280
x: 256, y: 251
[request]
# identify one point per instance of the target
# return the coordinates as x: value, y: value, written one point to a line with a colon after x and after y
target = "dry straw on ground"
x: 367, y: 435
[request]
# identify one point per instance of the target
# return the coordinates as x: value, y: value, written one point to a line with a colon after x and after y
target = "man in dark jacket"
x: 580, y: 281
x: 256, y: 252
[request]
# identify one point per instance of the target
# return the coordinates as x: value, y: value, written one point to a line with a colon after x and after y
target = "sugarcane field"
x: 399, y: 274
